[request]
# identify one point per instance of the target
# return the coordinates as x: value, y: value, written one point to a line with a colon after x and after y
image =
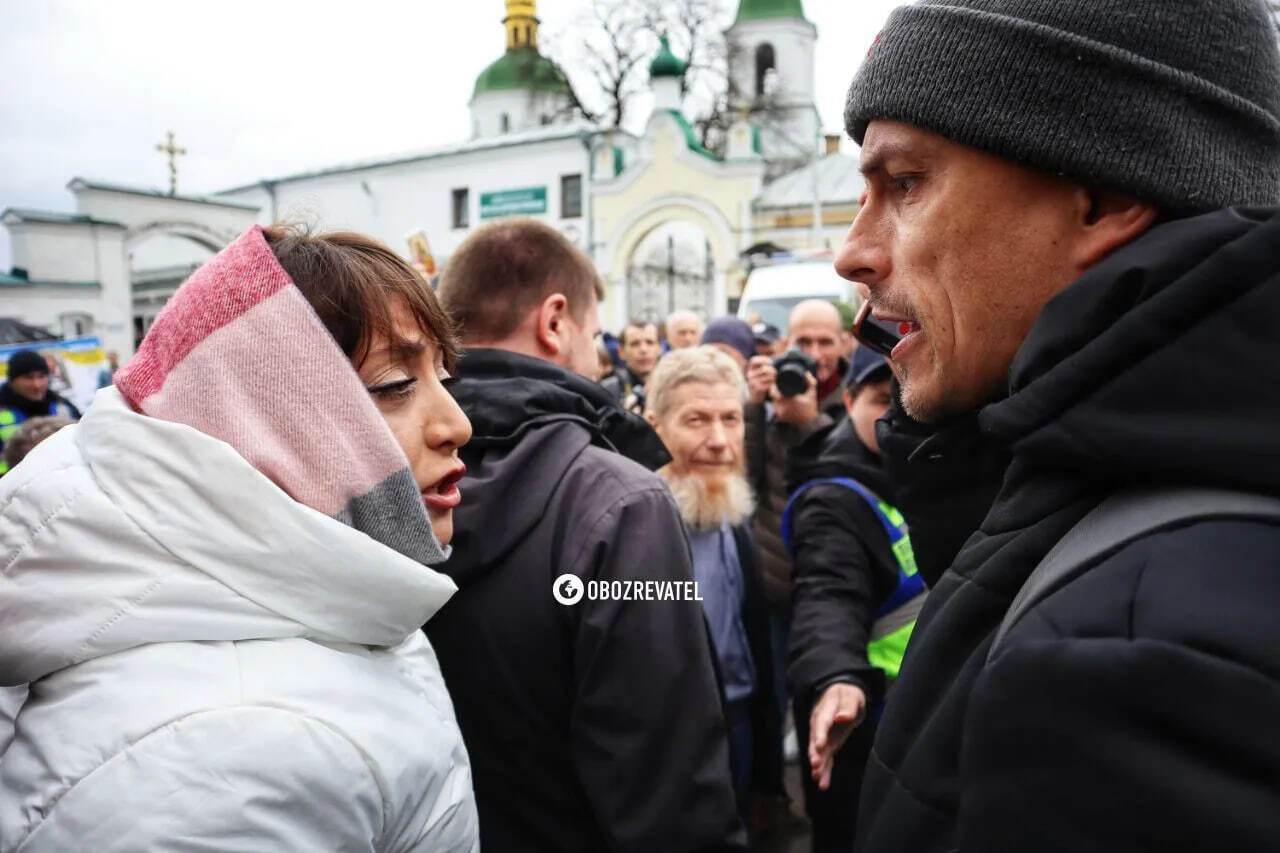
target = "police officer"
x: 26, y: 394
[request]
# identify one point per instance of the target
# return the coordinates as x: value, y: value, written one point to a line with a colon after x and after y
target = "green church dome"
x: 666, y: 63
x: 755, y: 10
x: 521, y: 69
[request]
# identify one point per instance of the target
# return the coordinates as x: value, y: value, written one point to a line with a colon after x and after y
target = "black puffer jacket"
x: 1135, y: 708
x: 596, y: 727
x: 843, y: 566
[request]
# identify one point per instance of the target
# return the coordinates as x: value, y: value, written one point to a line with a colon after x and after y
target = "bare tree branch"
x: 614, y: 42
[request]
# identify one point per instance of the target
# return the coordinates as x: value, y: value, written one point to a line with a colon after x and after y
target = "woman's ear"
x: 1106, y: 221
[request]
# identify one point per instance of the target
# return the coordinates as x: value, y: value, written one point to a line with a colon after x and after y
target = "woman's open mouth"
x: 445, y: 495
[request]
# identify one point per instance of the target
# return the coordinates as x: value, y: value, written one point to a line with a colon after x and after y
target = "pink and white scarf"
x: 239, y: 354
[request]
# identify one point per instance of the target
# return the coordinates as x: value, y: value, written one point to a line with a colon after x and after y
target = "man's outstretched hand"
x: 839, y: 710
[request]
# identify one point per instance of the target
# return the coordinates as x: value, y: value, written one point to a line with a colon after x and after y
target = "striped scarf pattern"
x: 240, y: 355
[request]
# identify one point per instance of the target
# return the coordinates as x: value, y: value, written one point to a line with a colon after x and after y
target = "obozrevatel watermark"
x: 570, y: 589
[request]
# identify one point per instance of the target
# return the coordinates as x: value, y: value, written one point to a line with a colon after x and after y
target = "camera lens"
x: 791, y: 380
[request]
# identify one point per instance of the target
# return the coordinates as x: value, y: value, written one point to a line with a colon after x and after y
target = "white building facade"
x: 108, y: 268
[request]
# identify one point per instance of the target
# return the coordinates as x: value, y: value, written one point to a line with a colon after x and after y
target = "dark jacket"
x: 1133, y: 709
x: 621, y: 384
x: 766, y: 729
x: 945, y: 479
x: 767, y: 443
x: 843, y: 566
x: 595, y: 727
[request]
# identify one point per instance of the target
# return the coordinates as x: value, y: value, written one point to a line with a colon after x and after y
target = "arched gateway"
x: 72, y: 273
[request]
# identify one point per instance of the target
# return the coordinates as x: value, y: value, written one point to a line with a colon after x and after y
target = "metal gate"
x: 655, y: 289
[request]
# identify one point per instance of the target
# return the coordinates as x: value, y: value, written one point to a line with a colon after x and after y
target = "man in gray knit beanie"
x: 1068, y: 241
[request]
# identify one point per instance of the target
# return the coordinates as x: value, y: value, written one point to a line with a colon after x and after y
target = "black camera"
x: 793, y: 368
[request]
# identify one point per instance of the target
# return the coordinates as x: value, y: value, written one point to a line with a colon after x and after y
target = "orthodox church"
x: 669, y: 223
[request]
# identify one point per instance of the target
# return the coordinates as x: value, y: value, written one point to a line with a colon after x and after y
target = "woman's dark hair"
x: 353, y: 282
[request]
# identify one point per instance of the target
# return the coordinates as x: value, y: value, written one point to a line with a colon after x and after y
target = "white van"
x: 774, y: 289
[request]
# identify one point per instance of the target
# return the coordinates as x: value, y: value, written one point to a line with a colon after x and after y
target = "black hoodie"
x: 598, y: 726
x: 1134, y: 709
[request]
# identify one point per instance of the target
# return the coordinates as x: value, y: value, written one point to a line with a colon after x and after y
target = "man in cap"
x: 732, y: 337
x: 26, y: 394
x: 768, y: 339
x: 856, y: 594
x: 1067, y: 219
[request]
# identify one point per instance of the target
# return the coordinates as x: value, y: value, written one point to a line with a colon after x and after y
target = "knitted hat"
x: 1175, y: 102
x: 732, y: 332
x: 24, y: 362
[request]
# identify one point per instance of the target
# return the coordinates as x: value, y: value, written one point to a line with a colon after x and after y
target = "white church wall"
x: 114, y: 323
x: 165, y: 250
x: 256, y: 195
x: 523, y: 111
x: 793, y: 45
x: 138, y: 209
x: 77, y: 271
x: 390, y: 202
x: 55, y: 251
x: 47, y: 306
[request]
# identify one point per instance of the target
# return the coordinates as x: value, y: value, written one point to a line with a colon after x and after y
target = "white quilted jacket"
x: 212, y: 666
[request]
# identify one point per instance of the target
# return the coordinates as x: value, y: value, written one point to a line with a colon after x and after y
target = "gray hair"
x: 696, y: 364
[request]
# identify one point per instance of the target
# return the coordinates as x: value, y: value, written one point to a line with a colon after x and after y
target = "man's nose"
x: 863, y: 257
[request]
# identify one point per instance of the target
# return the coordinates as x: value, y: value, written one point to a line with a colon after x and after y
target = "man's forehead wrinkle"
x: 889, y: 144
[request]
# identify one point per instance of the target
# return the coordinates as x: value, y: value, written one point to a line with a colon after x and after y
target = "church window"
x: 570, y: 196
x: 766, y: 61
x: 76, y: 324
x: 504, y: 123
x: 462, y: 208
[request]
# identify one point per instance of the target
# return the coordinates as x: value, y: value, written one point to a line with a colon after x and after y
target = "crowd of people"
x: 1001, y: 551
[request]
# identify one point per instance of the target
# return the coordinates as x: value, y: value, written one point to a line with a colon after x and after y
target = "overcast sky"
x: 260, y: 89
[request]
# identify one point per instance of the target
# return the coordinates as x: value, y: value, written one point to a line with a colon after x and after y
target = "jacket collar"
x: 505, y: 394
x: 217, y: 514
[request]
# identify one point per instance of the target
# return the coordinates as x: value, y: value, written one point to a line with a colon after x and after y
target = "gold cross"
x: 173, y: 150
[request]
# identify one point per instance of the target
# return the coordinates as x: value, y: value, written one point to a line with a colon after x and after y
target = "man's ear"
x: 550, y: 332
x: 1106, y: 221
x: 652, y: 419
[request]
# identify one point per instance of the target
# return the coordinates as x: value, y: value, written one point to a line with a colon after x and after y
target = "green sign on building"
x: 513, y: 202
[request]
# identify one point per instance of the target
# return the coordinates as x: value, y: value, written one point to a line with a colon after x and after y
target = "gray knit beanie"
x: 1175, y: 102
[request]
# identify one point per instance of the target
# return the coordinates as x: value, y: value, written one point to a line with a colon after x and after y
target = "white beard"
x: 705, y: 503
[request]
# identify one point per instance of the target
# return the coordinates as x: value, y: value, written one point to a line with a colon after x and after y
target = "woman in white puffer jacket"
x: 213, y: 585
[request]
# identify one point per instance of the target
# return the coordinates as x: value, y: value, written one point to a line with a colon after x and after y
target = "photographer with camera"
x: 790, y: 398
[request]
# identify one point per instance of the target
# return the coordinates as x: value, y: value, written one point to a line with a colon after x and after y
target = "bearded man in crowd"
x: 695, y: 403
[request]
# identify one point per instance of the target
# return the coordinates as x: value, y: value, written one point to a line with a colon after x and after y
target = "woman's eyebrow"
x: 405, y: 346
